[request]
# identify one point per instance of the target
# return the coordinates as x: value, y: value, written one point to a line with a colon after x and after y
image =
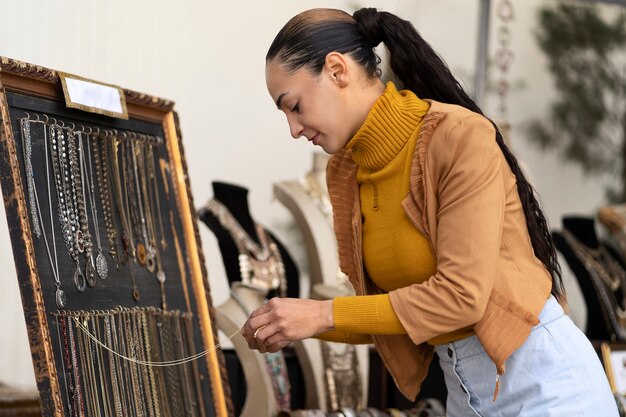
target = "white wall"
x: 208, y: 56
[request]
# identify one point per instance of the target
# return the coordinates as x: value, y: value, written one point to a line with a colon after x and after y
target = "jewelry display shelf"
x: 52, y: 279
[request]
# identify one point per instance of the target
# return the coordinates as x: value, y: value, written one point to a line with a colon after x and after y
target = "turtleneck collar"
x: 388, y: 126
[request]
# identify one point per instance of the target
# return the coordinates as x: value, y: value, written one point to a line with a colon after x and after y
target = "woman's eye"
x: 296, y: 108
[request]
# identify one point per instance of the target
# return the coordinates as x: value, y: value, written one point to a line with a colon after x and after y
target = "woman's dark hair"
x: 308, y: 37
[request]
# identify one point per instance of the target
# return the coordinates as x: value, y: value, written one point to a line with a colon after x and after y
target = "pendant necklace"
x: 101, y: 263
x: 66, y: 213
x: 60, y: 298
x: 78, y: 181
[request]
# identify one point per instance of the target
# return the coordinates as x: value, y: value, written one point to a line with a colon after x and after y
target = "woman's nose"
x: 296, y: 129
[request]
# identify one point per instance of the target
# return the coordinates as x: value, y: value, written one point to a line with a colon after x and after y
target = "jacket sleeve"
x: 464, y: 169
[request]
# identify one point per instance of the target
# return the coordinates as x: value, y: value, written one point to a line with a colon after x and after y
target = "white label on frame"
x: 94, y: 95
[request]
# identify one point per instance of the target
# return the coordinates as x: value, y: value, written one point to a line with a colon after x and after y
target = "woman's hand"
x: 280, y: 321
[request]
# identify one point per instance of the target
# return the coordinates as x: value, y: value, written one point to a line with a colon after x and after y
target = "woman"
x: 437, y: 228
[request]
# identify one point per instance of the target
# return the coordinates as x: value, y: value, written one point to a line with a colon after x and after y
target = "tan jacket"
x: 463, y: 197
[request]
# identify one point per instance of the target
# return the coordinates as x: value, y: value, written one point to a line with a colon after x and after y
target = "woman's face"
x: 321, y: 107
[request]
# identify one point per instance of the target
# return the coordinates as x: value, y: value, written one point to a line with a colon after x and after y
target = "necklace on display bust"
x: 259, y: 264
x: 609, y: 270
x: 342, y: 376
x: 318, y: 194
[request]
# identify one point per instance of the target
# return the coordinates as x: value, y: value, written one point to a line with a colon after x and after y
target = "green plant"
x: 586, y: 52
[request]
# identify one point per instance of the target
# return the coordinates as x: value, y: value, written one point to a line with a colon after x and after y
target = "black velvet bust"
x: 583, y: 229
x: 235, y: 199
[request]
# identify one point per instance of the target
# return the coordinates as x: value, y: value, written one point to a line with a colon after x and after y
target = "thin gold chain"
x: 175, y: 362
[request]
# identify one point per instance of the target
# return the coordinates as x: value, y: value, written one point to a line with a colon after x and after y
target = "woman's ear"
x: 336, y: 67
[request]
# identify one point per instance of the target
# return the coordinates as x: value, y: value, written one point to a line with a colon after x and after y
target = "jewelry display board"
x: 107, y: 252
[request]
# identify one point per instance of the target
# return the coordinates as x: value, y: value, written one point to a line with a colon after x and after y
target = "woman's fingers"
x: 283, y: 320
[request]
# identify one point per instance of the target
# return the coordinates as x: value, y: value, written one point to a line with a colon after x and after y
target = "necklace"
x: 151, y: 198
x: 608, y: 269
x: 228, y: 221
x: 122, y: 209
x: 127, y: 240
x: 155, y: 184
x: 342, y: 376
x: 65, y: 211
x: 101, y: 161
x: 78, y: 197
x: 318, y: 195
x: 153, y: 260
x: 28, y: 169
x: 87, y: 174
x: 60, y: 297
x: 148, y: 254
x: 260, y: 265
x: 612, y: 313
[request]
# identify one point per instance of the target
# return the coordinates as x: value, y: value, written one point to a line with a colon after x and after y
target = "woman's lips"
x: 314, y: 138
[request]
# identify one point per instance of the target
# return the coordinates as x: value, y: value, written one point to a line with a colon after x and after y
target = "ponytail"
x: 307, y: 38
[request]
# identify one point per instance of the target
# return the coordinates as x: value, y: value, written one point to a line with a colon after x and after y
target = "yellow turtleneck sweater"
x: 395, y: 253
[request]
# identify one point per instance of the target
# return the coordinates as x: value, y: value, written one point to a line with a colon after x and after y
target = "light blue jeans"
x: 555, y: 373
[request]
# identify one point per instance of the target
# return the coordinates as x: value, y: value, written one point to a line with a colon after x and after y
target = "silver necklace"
x: 228, y: 221
x: 65, y: 210
x: 265, y: 268
x: 28, y: 169
x: 101, y: 263
x: 61, y: 300
x: 78, y: 182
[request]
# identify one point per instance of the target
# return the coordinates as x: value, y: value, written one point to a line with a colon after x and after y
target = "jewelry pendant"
x: 101, y: 265
x: 141, y: 253
x: 161, y: 276
x: 151, y: 260
x: 90, y: 272
x: 79, y: 279
x: 60, y: 298
x: 136, y: 294
x: 80, y: 241
x: 150, y: 264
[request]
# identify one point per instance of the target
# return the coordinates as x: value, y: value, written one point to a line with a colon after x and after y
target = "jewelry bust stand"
x: 234, y: 199
x: 600, y: 275
x: 308, y: 201
x: 614, y: 219
x: 231, y: 316
x: 254, y: 258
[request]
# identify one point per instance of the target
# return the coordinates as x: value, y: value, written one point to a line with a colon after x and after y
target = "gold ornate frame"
x: 37, y: 81
x: 607, y: 349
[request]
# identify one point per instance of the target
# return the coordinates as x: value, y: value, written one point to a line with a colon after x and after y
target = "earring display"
x: 115, y: 302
